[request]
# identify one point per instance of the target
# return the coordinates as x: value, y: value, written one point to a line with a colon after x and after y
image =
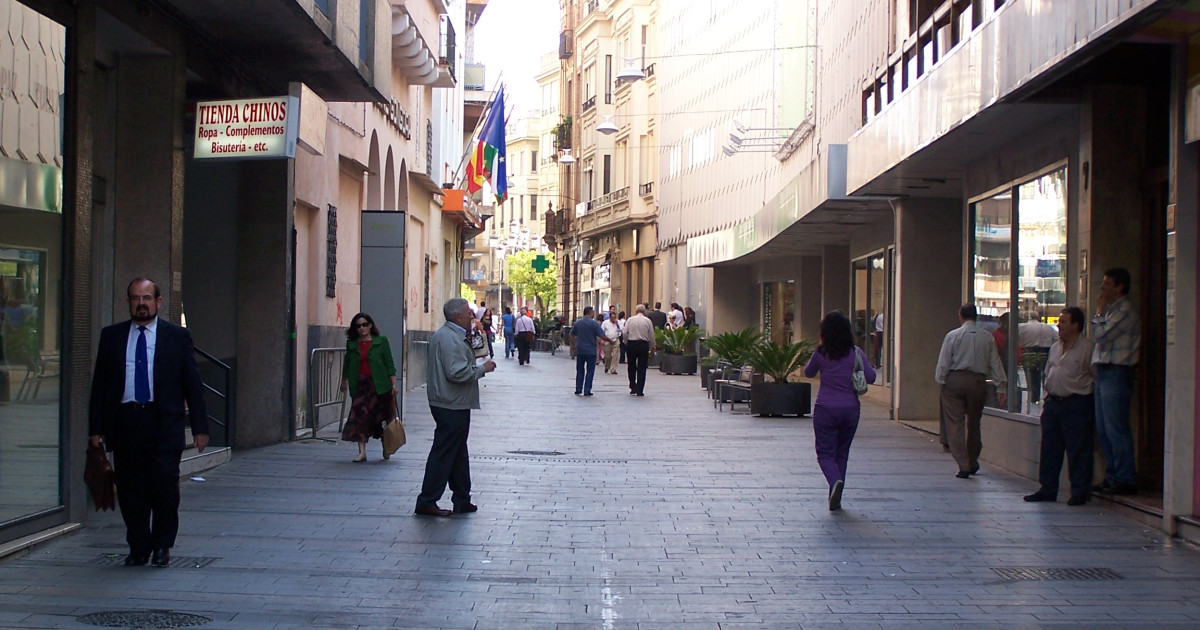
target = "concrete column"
x: 735, y: 299
x: 265, y: 307
x: 148, y: 193
x: 809, y: 298
x: 929, y: 281
x: 835, y: 280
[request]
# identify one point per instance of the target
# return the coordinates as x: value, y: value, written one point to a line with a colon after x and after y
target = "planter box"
x: 705, y: 370
x: 678, y: 364
x: 780, y: 399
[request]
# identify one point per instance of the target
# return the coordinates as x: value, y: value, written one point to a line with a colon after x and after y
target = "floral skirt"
x: 368, y: 412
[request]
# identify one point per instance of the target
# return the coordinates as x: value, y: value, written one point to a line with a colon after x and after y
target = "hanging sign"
x: 247, y: 128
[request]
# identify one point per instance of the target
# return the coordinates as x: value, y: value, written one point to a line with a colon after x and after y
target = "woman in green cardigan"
x: 369, y: 366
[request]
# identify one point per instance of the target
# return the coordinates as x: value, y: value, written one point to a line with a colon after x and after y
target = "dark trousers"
x: 522, y: 349
x: 637, y: 356
x: 147, y: 481
x: 448, y: 462
x: 624, y: 349
x: 585, y: 371
x: 1067, y: 424
x: 833, y: 430
x: 963, y: 396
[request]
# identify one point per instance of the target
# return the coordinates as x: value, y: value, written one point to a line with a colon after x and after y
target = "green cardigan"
x: 379, y: 358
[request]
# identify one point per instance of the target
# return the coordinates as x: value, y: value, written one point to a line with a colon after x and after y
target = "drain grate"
x: 1029, y: 573
x: 537, y: 453
x: 496, y: 458
x: 182, y: 562
x: 142, y: 619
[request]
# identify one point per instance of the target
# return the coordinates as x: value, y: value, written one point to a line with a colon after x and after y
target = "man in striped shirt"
x: 1117, y: 332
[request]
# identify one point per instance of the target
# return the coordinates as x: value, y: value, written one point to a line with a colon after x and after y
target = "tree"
x: 524, y: 279
x: 466, y: 292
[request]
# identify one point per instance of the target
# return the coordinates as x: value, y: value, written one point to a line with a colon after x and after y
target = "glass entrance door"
x: 872, y: 304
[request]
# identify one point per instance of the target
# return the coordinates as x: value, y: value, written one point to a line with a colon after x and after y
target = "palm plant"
x: 778, y: 360
x: 679, y: 341
x: 734, y: 347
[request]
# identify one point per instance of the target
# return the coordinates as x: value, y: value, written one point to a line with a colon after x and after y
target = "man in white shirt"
x: 968, y: 355
x: 525, y: 332
x: 675, y: 317
x: 639, y: 337
x: 1067, y: 417
x: 612, y: 331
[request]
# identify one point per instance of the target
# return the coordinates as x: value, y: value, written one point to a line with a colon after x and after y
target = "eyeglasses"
x: 363, y: 325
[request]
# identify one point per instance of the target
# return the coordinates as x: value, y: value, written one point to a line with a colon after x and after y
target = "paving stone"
x: 661, y: 512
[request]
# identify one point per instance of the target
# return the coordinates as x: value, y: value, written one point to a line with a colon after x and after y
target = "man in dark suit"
x: 657, y: 317
x: 145, y: 371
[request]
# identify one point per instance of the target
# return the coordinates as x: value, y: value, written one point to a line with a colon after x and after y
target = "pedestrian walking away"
x: 368, y: 367
x: 656, y: 316
x: 145, y: 372
x: 1067, y: 416
x: 509, y: 333
x: 1117, y: 331
x: 587, y: 335
x: 525, y: 332
x: 453, y: 391
x: 836, y: 413
x: 967, y: 356
x: 639, y: 338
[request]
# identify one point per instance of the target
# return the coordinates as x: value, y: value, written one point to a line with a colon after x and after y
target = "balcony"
x: 646, y: 189
x: 566, y: 44
x: 411, y: 54
x: 589, y: 104
x: 609, y: 212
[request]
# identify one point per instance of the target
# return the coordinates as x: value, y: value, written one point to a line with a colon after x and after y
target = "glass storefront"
x: 1026, y: 223
x: 779, y: 311
x: 871, y: 303
x: 31, y: 234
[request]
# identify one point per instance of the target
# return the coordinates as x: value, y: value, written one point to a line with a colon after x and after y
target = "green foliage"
x: 524, y: 280
x: 562, y: 133
x: 545, y: 322
x: 777, y: 360
x: 680, y: 340
x: 735, y: 347
x: 466, y: 292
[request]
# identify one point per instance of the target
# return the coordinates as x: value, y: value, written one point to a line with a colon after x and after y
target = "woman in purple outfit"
x: 835, y: 416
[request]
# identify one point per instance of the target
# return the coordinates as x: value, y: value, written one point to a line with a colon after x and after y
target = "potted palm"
x: 731, y: 347
x: 678, y: 349
x: 777, y: 396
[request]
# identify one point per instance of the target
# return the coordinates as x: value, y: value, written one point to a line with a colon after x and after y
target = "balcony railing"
x: 600, y: 203
x: 646, y: 189
x: 649, y: 71
x: 590, y: 103
x: 593, y: 6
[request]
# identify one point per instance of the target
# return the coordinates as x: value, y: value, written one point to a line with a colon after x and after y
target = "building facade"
x: 1003, y: 153
x: 97, y: 123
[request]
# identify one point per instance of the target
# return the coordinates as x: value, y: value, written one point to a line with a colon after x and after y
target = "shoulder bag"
x: 858, y: 378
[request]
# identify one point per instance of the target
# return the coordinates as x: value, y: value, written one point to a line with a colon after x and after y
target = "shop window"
x: 1020, y: 303
x: 779, y: 311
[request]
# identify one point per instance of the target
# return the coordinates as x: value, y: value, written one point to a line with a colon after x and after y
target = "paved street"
x: 617, y: 512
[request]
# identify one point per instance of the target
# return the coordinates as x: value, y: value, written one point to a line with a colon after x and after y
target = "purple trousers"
x: 833, y: 429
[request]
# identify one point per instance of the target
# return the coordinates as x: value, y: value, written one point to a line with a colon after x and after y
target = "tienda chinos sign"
x: 247, y: 128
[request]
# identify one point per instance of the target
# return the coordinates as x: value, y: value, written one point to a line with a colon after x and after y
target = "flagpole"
x: 474, y: 132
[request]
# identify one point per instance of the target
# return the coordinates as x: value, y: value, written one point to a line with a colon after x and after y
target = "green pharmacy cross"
x: 540, y: 263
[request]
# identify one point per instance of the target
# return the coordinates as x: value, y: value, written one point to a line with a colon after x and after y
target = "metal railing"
x: 590, y: 103
x: 324, y: 384
x: 646, y: 189
x: 220, y: 429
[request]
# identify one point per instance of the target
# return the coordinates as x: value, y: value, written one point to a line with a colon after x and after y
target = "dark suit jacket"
x: 176, y: 379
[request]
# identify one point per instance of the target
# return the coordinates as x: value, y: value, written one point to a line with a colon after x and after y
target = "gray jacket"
x: 453, y: 376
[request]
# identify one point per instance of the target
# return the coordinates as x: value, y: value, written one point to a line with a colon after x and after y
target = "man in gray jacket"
x: 453, y: 390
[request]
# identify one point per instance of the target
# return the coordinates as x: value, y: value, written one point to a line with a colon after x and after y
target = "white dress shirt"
x: 970, y: 348
x: 131, y: 360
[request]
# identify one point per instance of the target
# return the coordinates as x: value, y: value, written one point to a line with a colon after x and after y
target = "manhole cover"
x: 538, y: 453
x: 142, y: 619
x: 1027, y: 573
x: 183, y: 562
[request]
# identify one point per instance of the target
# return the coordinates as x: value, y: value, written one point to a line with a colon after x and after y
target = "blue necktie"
x: 141, y: 374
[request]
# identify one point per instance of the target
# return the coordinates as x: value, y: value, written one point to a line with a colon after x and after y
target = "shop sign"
x: 247, y: 128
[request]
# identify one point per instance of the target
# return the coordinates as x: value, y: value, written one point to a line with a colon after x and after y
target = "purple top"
x: 837, y: 390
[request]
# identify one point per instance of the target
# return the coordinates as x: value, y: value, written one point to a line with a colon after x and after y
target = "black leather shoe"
x: 432, y: 511
x: 1038, y: 497
x: 137, y: 559
x: 1078, y: 500
x: 160, y: 558
x: 1125, y: 488
x: 962, y: 474
x: 1102, y: 488
x: 466, y: 508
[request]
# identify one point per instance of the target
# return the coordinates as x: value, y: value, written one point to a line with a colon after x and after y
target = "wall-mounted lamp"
x: 607, y: 127
x: 566, y: 158
x: 630, y: 72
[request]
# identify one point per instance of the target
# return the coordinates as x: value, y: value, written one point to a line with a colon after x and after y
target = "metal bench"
x: 733, y: 390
